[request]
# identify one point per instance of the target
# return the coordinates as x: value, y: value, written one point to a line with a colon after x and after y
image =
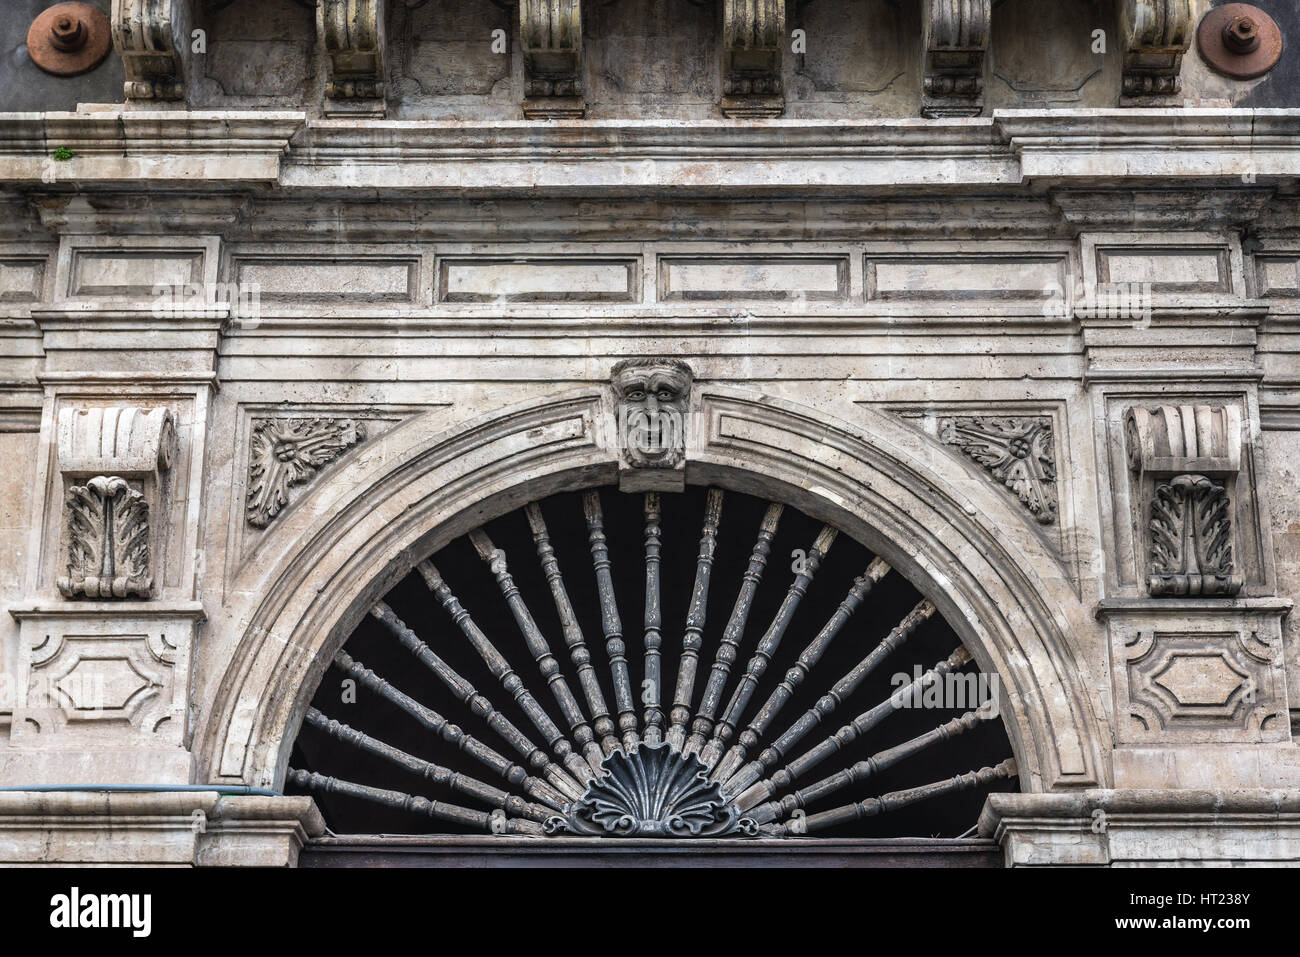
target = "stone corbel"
x: 353, y: 33
x: 113, y: 464
x: 753, y: 33
x: 956, y: 40
x: 145, y: 37
x: 652, y: 404
x: 1156, y: 35
x: 551, y: 40
x: 1185, y: 460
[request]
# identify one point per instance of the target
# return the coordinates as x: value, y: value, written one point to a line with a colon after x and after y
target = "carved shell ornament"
x: 652, y: 791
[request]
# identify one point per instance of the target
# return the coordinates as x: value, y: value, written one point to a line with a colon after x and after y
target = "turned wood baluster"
x: 767, y: 646
x: 650, y: 696
x: 480, y: 705
x: 782, y: 693
x: 776, y: 752
x: 499, y: 824
x: 547, y: 665
x: 611, y: 623
x: 453, y: 780
x: 489, y: 757
x: 579, y: 654
x: 851, y: 731
x: 728, y: 650
x: 859, y: 772
x: 693, y: 636
x: 892, y: 801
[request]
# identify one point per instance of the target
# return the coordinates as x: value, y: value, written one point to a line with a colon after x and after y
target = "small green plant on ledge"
x: 63, y: 154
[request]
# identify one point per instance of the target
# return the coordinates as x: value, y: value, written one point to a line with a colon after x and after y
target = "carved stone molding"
x: 753, y: 33
x: 353, y: 31
x: 652, y: 401
x: 1200, y: 685
x: 1178, y: 452
x: 1018, y: 452
x: 551, y: 40
x: 1156, y: 35
x: 112, y: 461
x: 144, y: 37
x: 956, y: 40
x: 290, y: 451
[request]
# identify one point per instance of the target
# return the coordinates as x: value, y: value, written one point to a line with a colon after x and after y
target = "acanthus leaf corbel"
x: 551, y: 41
x: 145, y: 37
x: 1186, y: 460
x: 1157, y: 33
x: 956, y: 40
x: 113, y: 463
x: 753, y: 33
x: 353, y: 33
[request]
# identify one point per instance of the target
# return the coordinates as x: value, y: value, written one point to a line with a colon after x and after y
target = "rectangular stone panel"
x: 756, y: 278
x: 1177, y: 269
x: 132, y: 273
x: 539, y: 280
x: 345, y: 278
x: 1278, y: 276
x: 964, y: 277
x: 21, y: 279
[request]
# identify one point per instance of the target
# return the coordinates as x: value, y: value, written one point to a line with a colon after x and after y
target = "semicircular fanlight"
x: 779, y: 681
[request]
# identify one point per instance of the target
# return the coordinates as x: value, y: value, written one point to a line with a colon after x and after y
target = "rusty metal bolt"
x: 68, y: 33
x: 1241, y: 35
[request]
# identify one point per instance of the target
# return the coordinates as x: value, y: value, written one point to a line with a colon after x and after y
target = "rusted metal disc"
x: 1239, y: 40
x: 69, y: 39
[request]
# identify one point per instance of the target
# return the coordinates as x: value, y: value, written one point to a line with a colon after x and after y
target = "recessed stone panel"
x: 539, y: 280
x: 773, y: 278
x: 364, y: 279
x: 132, y: 273
x: 1169, y: 269
x: 1278, y: 276
x: 964, y: 277
x: 21, y: 279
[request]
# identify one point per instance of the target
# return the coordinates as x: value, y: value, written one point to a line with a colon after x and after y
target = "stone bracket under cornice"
x: 353, y: 31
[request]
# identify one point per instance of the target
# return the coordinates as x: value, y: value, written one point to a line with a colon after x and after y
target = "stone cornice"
x: 116, y: 146
x: 609, y: 157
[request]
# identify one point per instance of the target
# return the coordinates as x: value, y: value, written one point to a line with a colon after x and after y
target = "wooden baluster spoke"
x: 851, y: 731
x: 534, y: 787
x: 611, y: 623
x: 892, y: 801
x: 693, y: 636
x: 776, y: 752
x: 436, y: 773
x: 495, y: 823
x: 579, y: 654
x: 762, y: 657
x: 540, y: 649
x: 480, y: 705
x: 782, y: 693
x: 728, y: 650
x: 859, y: 772
x: 650, y: 695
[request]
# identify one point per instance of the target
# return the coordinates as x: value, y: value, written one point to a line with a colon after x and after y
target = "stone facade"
x: 1013, y: 304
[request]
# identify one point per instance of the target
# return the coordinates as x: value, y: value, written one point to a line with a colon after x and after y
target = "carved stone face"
x: 653, y: 400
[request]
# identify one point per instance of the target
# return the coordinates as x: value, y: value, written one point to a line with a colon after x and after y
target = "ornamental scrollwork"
x: 652, y: 791
x: 1018, y: 452
x: 286, y: 452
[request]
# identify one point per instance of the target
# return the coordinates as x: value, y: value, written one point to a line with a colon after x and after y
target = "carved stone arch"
x: 427, y: 481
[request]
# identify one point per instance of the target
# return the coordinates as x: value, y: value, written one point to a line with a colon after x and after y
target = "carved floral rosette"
x: 652, y: 791
x: 290, y: 451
